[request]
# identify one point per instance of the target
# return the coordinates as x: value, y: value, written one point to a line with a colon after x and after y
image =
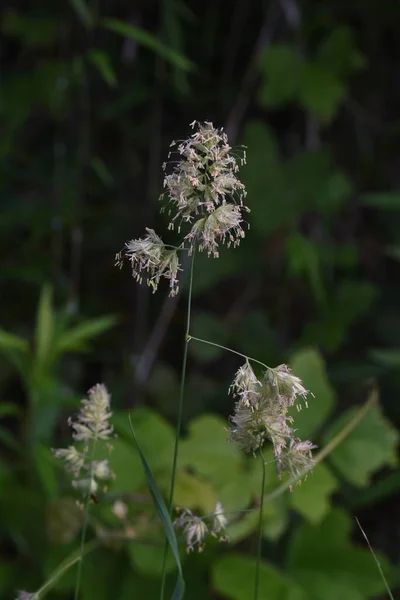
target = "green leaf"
x: 126, y: 463
x: 339, y: 52
x: 207, y: 451
x: 325, y: 563
x: 233, y: 578
x: 312, y: 498
x: 310, y: 367
x: 9, y: 341
x: 75, y: 338
x: 321, y: 92
x: 370, y: 446
x: 384, y: 200
x: 149, y: 41
x: 280, y: 65
x: 82, y: 10
x: 44, y: 327
x: 192, y: 492
x: 103, y: 64
x: 156, y: 436
x: 147, y: 558
x: 165, y: 518
x: 32, y: 31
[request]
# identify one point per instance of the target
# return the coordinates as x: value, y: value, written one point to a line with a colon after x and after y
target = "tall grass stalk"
x: 180, y: 415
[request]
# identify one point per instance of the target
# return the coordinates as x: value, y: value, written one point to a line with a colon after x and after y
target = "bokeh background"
x: 92, y: 94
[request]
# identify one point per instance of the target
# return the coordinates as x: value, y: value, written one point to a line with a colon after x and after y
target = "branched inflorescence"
x: 197, y: 529
x: 92, y: 425
x: 262, y: 414
x: 202, y: 194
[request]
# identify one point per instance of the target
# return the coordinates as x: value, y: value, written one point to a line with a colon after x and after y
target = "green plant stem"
x: 180, y: 414
x: 191, y: 337
x: 260, y: 521
x: 62, y: 568
x: 378, y: 564
x: 85, y: 524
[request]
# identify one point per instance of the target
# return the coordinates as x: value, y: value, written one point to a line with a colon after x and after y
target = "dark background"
x: 92, y: 95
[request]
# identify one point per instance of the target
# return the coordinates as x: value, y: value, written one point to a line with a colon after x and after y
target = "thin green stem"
x: 85, y: 524
x: 180, y: 414
x: 260, y: 521
x: 191, y: 337
x: 378, y: 564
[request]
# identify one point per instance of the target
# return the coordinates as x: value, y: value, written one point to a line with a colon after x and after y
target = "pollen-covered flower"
x: 205, y: 175
x: 219, y: 523
x: 74, y: 459
x: 92, y: 422
x: 223, y: 225
x: 91, y: 426
x: 150, y: 255
x: 288, y: 387
x: 246, y: 385
x: 261, y: 414
x: 194, y: 529
x: 297, y: 458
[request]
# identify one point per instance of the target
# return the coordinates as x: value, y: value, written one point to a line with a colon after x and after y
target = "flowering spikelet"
x: 150, y: 255
x: 205, y: 175
x: 90, y: 426
x: 196, y: 530
x: 204, y: 193
x: 261, y: 414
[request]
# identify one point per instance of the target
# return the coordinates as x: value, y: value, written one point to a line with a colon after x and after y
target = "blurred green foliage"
x: 92, y: 95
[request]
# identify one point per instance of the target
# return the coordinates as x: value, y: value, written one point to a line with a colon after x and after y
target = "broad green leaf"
x: 280, y: 65
x: 149, y: 41
x: 233, y: 578
x: 323, y: 561
x: 340, y: 53
x: 312, y: 498
x: 209, y: 327
x: 309, y: 366
x: 103, y: 64
x: 155, y: 435
x: 207, y: 451
x: 125, y: 462
x: 384, y: 200
x: 75, y: 338
x: 82, y: 10
x: 370, y: 446
x: 321, y: 92
x: 44, y: 327
x: 147, y: 558
x: 194, y: 493
x: 64, y: 519
x: 165, y: 518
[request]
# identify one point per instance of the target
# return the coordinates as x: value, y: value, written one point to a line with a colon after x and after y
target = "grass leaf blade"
x: 163, y: 513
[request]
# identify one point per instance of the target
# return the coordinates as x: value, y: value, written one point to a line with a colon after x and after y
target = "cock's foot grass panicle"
x: 204, y: 200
